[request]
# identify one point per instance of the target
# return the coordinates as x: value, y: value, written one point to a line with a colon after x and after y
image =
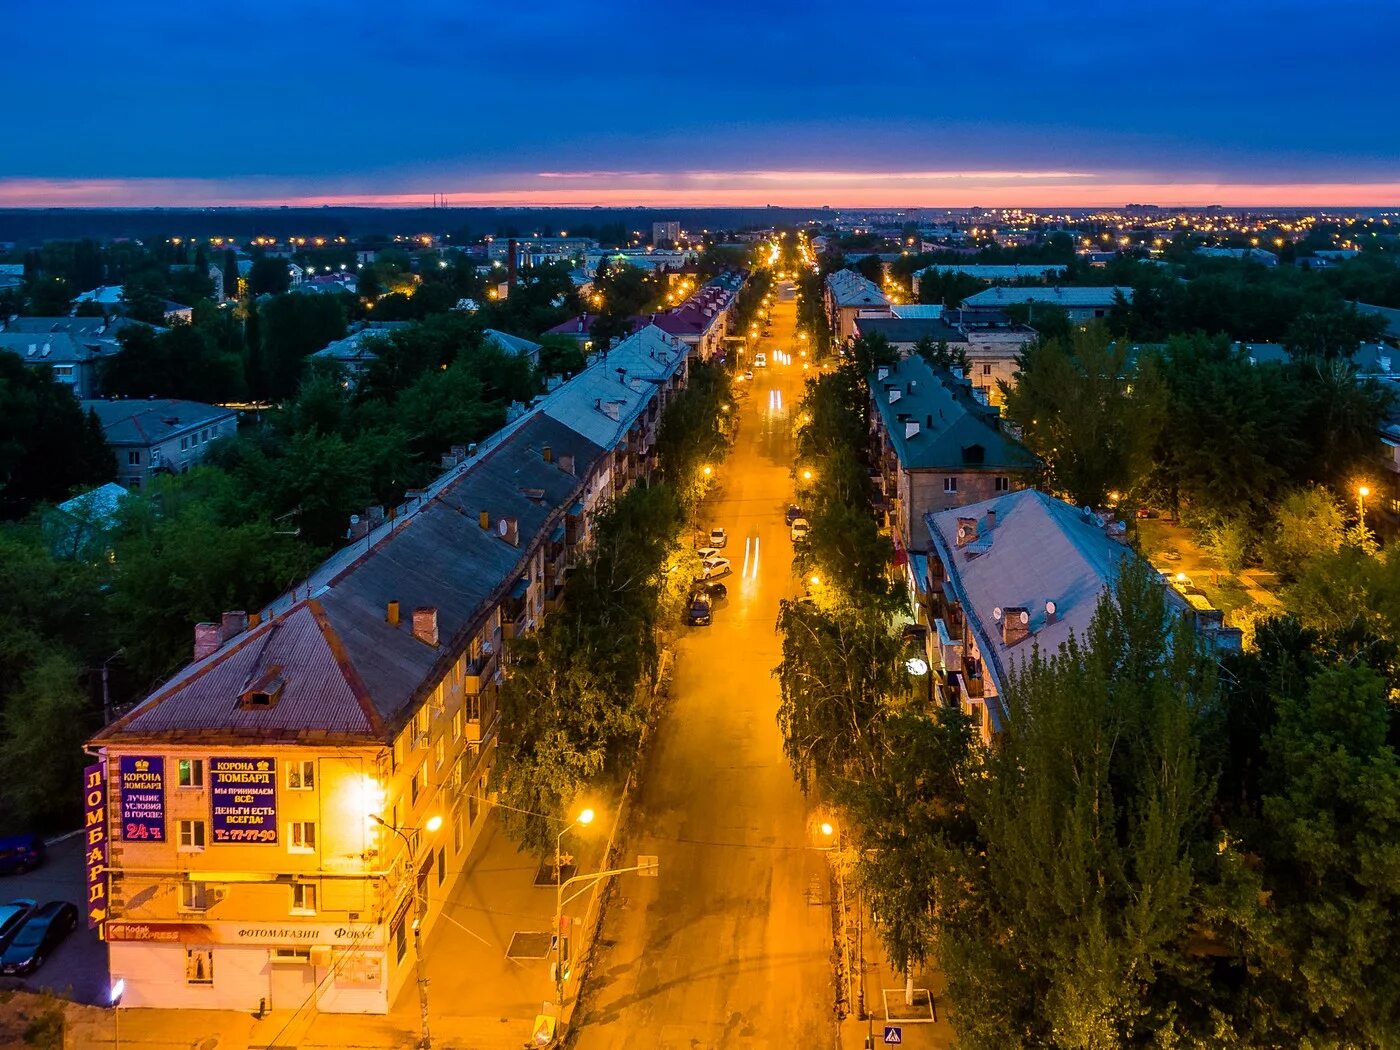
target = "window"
x: 472, y: 705
x: 133, y: 458
x: 301, y: 836
x: 195, y: 896
x: 457, y: 720
x: 292, y: 955
x: 303, y: 898
x: 441, y: 864
x: 191, y: 772
x: 191, y: 835
x: 204, y: 434
x: 400, y: 940
x: 986, y: 369
x: 413, y: 786
x: 950, y: 484
x: 63, y: 371
x: 301, y: 775
x: 1003, y: 484
x: 441, y: 751
x: 184, y: 444
x: 199, y: 966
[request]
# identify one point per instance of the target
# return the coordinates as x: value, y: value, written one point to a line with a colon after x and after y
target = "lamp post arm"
x: 594, y: 877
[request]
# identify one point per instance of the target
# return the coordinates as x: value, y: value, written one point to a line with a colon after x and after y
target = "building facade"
x: 937, y: 446
x: 154, y: 437
x: 268, y: 812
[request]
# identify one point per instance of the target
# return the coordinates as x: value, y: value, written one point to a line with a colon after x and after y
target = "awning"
x: 557, y: 536
x: 521, y: 586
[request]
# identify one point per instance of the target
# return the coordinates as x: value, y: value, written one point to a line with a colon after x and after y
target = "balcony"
x: 480, y: 672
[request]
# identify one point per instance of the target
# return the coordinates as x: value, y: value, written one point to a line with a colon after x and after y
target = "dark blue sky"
x: 183, y: 102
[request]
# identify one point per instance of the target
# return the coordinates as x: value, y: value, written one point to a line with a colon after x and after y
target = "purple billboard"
x: 243, y: 795
x: 141, y: 779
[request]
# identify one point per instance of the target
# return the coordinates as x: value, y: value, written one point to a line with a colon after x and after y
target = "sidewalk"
x: 884, y: 1003
x: 479, y: 999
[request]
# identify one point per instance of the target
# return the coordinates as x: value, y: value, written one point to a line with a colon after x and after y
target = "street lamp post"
x: 582, y: 820
x: 420, y: 964
x: 1362, y: 492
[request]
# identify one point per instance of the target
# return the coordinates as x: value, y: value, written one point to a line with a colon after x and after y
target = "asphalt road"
x: 731, y: 945
x: 78, y: 969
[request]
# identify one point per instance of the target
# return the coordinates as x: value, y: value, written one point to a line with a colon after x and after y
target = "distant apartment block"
x: 159, y: 436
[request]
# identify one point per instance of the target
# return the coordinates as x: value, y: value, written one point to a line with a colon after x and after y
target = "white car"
x: 713, y: 568
x: 707, y: 552
x: 799, y: 530
x: 719, y: 538
x: 760, y: 360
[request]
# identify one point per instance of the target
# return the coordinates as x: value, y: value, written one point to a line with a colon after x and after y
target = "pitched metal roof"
x: 849, y: 288
x: 1041, y: 550
x: 955, y: 432
x: 144, y: 423
x: 1082, y: 298
x: 910, y: 329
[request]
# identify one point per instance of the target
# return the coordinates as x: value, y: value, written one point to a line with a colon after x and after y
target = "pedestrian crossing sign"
x: 894, y: 1035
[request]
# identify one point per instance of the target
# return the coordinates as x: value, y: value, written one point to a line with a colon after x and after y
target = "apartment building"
x: 847, y: 295
x: 159, y: 436
x: 260, y: 825
x: 938, y: 446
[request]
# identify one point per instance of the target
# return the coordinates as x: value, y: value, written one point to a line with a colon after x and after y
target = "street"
x: 732, y: 944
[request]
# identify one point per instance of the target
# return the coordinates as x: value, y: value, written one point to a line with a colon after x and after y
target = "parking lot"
x: 78, y: 969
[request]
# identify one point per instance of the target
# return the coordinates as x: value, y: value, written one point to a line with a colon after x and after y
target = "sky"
x: 619, y: 102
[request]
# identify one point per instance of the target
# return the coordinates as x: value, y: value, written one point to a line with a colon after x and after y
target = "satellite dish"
x: 996, y: 614
x: 503, y: 526
x: 1049, y: 608
x: 1025, y: 617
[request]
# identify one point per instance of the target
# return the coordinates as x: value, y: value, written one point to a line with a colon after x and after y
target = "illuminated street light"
x: 432, y: 824
x: 584, y: 818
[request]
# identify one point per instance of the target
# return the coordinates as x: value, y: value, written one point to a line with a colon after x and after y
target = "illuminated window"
x: 301, y: 836
x: 303, y: 898
x: 301, y: 775
x: 190, y: 772
x: 191, y: 835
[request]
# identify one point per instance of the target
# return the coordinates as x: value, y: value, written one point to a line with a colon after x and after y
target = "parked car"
x: 12, y: 917
x: 20, y: 853
x: 699, y: 612
x: 719, y: 539
x: 715, y: 567
x: 793, y: 513
x: 799, y: 530
x: 748, y: 374
x: 42, y: 932
x: 717, y: 591
x: 760, y: 360
x: 706, y: 552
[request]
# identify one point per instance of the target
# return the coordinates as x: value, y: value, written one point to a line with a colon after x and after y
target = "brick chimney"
x: 206, y: 639
x: 991, y: 519
x: 566, y: 463
x: 232, y: 624
x: 425, y: 624
x: 510, y: 531
x: 548, y: 454
x: 967, y: 531
x: 1015, y: 625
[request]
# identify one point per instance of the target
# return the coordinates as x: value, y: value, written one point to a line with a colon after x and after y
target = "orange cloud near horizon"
x: 797, y: 189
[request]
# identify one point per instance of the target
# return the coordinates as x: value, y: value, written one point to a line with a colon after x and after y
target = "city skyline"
x: 1069, y: 107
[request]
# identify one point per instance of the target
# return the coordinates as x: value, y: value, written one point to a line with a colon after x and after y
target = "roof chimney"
x: 206, y: 639
x: 425, y: 624
x: 485, y: 519
x: 991, y: 519
x: 391, y: 614
x: 1015, y: 625
x: 509, y: 529
x: 967, y: 531
x: 232, y: 624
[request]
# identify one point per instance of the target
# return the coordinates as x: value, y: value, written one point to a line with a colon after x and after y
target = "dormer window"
x: 265, y: 691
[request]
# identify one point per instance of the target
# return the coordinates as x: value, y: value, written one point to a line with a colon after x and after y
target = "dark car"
x: 12, y: 917
x: 41, y: 933
x: 793, y: 513
x: 20, y: 853
x: 699, y: 612
x: 714, y: 588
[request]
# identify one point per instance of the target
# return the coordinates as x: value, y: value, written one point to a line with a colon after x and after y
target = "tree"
x: 178, y: 363
x: 293, y: 326
x: 268, y: 276
x: 49, y: 296
x: 1089, y: 414
x: 45, y: 723
x: 1309, y: 525
x: 230, y: 274
x: 48, y: 444
x: 1066, y: 924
